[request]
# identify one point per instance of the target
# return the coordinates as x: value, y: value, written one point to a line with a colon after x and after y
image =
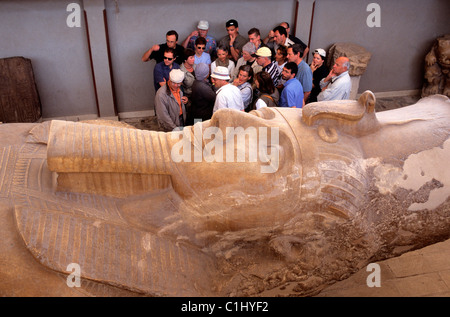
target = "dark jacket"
x: 202, y: 102
x: 318, y: 74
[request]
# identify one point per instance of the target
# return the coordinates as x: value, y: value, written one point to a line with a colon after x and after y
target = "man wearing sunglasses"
x: 162, y: 70
x: 156, y: 52
x: 200, y: 55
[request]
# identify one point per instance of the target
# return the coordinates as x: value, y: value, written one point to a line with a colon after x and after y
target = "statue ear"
x: 346, y: 116
x: 368, y: 100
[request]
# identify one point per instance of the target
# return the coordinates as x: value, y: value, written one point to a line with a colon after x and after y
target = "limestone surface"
x: 239, y: 205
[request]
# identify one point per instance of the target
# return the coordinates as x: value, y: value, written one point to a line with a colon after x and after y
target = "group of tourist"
x: 195, y: 79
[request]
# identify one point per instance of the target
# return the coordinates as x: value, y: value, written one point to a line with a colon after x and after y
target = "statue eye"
x: 264, y: 113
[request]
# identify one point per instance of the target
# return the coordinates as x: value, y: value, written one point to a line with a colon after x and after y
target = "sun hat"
x: 176, y: 76
x: 221, y: 72
x: 203, y: 25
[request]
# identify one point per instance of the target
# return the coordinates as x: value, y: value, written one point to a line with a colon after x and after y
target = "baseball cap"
x: 203, y: 25
x: 176, y: 75
x: 232, y: 22
x: 321, y: 52
x: 264, y: 52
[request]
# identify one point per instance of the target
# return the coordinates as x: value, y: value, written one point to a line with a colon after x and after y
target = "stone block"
x: 19, y: 98
x: 359, y: 57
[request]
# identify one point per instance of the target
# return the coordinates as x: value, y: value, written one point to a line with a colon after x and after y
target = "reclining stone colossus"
x: 239, y: 205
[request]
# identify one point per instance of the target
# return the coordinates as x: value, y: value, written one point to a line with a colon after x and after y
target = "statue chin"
x: 233, y: 206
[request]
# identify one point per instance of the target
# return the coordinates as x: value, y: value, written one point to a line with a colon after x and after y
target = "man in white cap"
x: 264, y: 59
x: 202, y: 31
x: 227, y: 95
x: 170, y: 102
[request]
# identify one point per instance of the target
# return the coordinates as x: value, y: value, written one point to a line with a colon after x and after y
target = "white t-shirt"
x: 228, y: 96
x: 260, y: 104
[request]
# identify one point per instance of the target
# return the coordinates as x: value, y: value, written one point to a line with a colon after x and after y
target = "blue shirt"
x: 205, y: 58
x: 211, y: 44
x: 161, y: 72
x: 292, y: 94
x: 305, y: 76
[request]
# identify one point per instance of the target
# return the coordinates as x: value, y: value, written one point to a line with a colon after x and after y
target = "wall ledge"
x: 398, y: 93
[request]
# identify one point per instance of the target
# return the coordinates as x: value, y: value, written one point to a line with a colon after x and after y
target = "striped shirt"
x: 274, y: 72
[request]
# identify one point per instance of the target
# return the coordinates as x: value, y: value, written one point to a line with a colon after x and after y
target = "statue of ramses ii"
x: 277, y: 201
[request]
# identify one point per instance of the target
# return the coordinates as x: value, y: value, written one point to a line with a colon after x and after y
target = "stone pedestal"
x: 359, y: 59
x: 355, y: 86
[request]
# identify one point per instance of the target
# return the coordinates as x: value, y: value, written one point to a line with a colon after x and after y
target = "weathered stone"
x: 340, y: 187
x: 19, y: 98
x: 437, y: 68
x: 359, y: 57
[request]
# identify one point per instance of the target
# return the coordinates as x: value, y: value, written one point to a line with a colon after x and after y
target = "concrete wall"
x: 408, y: 29
x: 136, y: 25
x: 37, y: 29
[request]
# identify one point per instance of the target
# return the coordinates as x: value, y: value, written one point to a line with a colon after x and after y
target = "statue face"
x: 240, y: 166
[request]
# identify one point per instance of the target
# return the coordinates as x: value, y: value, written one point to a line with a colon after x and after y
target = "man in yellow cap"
x: 264, y: 59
